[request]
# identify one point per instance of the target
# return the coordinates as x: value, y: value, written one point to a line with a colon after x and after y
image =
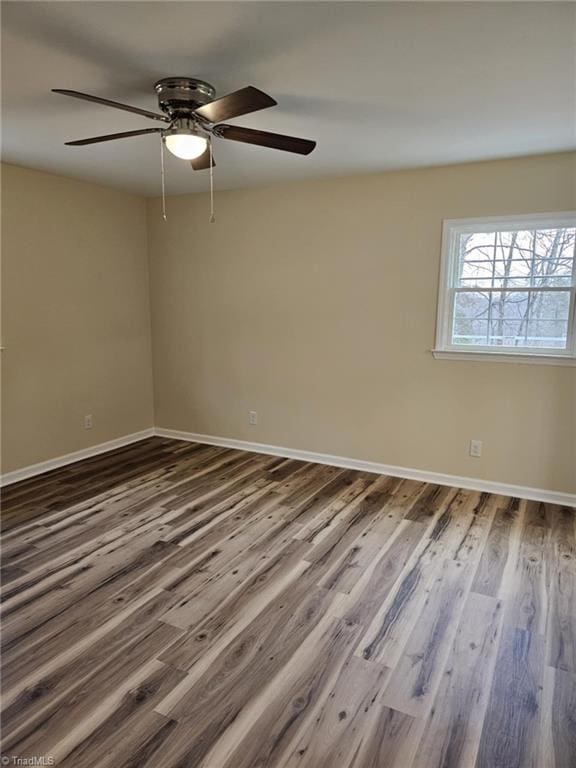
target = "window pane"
x: 508, y: 317
x: 548, y: 319
x: 468, y: 331
x: 546, y: 333
x: 511, y: 319
x: 525, y: 258
x: 470, y: 318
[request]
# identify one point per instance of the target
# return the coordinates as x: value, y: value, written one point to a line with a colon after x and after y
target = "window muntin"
x: 508, y: 285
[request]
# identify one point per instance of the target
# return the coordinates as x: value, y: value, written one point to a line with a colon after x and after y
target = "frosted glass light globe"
x: 185, y: 145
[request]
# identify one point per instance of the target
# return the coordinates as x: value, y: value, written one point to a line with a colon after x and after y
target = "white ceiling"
x: 379, y: 85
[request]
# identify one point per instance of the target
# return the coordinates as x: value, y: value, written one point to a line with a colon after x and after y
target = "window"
x: 508, y: 289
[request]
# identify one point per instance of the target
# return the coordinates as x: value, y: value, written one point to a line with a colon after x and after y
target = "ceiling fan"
x: 193, y: 115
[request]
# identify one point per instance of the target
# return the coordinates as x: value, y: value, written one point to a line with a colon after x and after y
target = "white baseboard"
x: 471, y: 483
x: 70, y: 458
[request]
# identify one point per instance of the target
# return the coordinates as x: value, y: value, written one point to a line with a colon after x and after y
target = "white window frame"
x: 451, y: 231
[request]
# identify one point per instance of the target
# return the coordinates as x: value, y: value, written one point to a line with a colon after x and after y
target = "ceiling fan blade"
x: 115, y: 104
x: 240, y: 102
x: 111, y: 137
x: 265, y: 139
x: 203, y: 162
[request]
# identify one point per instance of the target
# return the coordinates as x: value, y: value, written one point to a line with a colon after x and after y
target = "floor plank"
x: 454, y: 724
x: 510, y: 731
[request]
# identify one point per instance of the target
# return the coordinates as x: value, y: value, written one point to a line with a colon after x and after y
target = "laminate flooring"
x: 174, y: 605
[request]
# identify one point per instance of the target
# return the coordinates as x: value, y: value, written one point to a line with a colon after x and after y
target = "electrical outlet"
x: 252, y: 417
x: 476, y: 448
x: 88, y: 421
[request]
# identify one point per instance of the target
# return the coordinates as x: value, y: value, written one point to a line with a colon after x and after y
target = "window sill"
x: 503, y: 357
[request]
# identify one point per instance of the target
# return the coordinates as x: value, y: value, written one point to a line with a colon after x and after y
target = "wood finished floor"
x: 176, y: 605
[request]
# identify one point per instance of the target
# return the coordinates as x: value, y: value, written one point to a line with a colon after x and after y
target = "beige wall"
x: 312, y: 303
x: 75, y: 314
x: 315, y: 305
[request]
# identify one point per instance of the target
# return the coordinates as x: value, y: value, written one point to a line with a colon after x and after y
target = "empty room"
x: 288, y: 384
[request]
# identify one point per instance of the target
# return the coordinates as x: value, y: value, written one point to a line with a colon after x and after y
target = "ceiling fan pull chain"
x: 162, y: 177
x: 212, y: 218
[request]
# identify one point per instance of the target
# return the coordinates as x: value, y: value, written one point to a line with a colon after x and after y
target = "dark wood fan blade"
x: 240, y: 102
x: 111, y: 137
x: 203, y: 162
x: 115, y: 104
x: 265, y: 139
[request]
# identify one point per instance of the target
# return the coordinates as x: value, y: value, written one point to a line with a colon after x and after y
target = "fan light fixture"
x: 185, y: 144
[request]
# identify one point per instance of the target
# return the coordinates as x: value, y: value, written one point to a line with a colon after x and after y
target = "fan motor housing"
x: 181, y: 95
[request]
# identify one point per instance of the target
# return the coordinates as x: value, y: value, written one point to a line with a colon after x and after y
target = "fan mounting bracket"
x: 180, y: 95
